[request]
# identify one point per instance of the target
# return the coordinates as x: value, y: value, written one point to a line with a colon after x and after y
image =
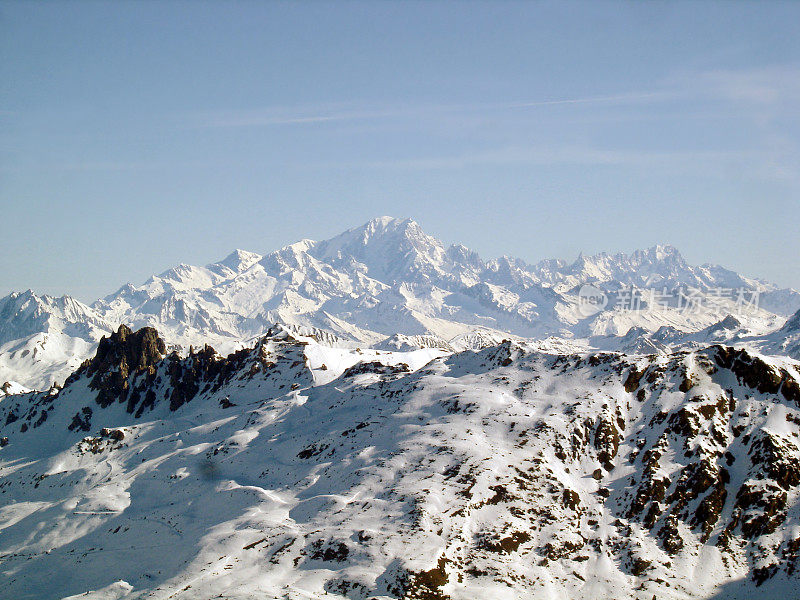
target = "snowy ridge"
x: 384, y: 278
x: 413, y: 342
x: 10, y: 388
x: 299, y: 469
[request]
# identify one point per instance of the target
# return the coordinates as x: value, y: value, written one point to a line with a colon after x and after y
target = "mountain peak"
x: 44, y: 301
x: 664, y: 252
x: 240, y: 260
x: 383, y: 277
x: 383, y: 226
x: 28, y: 294
x: 385, y: 221
x: 380, y: 233
x: 387, y: 246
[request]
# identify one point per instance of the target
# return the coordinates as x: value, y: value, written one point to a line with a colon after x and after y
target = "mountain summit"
x: 391, y: 249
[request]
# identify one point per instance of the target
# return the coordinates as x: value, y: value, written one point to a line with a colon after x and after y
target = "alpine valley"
x: 379, y: 416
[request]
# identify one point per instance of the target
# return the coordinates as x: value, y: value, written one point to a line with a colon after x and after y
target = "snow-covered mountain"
x: 368, y: 283
x: 387, y: 278
x: 380, y: 416
x: 295, y: 469
x: 44, y: 339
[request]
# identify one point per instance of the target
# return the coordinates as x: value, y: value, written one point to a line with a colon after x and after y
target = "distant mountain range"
x: 388, y: 278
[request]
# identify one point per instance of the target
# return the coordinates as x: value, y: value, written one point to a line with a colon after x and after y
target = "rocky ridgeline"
x: 130, y: 369
x: 118, y: 357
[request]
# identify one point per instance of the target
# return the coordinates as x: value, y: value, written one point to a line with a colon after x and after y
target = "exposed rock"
x: 426, y: 585
x: 505, y: 545
x: 606, y: 441
x: 113, y: 434
x: 632, y: 381
x: 755, y: 373
x: 778, y: 457
x: 82, y: 421
x: 119, y: 355
x: 640, y: 566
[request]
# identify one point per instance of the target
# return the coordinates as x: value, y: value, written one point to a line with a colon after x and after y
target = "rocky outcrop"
x: 130, y: 369
x: 755, y: 373
x: 179, y: 380
x: 119, y: 356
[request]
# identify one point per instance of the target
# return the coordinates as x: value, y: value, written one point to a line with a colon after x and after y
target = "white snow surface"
x: 393, y: 475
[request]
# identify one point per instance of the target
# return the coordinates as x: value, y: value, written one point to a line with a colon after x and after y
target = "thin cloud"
x: 619, y: 99
x: 758, y: 87
x: 280, y: 117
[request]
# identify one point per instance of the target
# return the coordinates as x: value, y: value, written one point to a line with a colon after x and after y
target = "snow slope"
x: 299, y: 470
x: 785, y: 340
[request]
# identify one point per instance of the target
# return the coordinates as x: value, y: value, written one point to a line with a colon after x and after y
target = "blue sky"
x: 134, y: 136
